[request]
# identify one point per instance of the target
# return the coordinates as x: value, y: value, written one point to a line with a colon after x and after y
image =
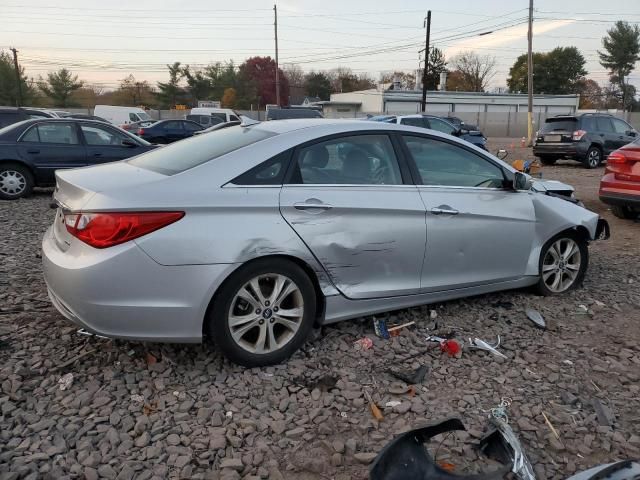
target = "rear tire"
x: 624, y: 212
x: 16, y: 181
x: 593, y: 158
x: 247, y: 320
x: 563, y: 264
x: 548, y: 160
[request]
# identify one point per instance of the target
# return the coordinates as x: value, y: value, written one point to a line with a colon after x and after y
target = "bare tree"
x: 476, y: 71
x: 294, y: 74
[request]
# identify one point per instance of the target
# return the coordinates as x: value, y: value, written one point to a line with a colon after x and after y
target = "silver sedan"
x: 251, y: 235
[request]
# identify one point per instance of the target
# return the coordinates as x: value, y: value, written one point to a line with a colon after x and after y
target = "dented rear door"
x: 369, y: 239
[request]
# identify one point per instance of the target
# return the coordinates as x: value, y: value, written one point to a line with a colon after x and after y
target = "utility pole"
x: 530, y: 77
x: 275, y: 25
x: 18, y: 83
x: 427, y: 23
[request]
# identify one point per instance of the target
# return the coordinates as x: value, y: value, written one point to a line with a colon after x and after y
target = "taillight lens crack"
x: 106, y: 229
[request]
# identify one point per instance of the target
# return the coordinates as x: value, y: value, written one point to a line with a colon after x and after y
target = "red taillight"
x: 141, y: 131
x: 578, y: 134
x: 617, y: 158
x: 102, y: 230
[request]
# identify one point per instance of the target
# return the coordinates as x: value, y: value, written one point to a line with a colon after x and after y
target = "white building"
x: 377, y: 101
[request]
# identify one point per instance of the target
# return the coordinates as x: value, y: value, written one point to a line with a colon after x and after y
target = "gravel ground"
x: 143, y: 411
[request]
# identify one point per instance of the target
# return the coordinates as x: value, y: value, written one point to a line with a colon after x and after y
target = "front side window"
x: 220, y: 116
x: 144, y: 116
x: 357, y: 160
x: 441, y: 163
x: 133, y: 117
x: 441, y: 126
x: 60, y: 133
x: 101, y: 136
x: 173, y: 125
x: 192, y: 127
x: 620, y: 127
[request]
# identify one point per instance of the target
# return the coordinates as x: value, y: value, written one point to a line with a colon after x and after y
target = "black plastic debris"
x: 412, y: 378
x: 406, y: 457
x: 501, y: 444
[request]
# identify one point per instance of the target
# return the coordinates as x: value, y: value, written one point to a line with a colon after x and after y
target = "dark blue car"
x: 168, y: 131
x: 32, y: 150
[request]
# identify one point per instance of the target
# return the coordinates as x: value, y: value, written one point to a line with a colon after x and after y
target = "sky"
x: 103, y: 42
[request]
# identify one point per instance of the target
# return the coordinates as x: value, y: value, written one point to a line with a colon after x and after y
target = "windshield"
x: 566, y: 124
x: 186, y: 154
x: 143, y: 116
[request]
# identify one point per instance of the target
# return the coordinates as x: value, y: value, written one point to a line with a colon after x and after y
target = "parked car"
x: 168, y: 131
x: 82, y: 116
x: 217, y: 127
x: 135, y: 126
x: 250, y: 235
x: 292, y: 113
x: 11, y: 115
x: 461, y: 124
x: 222, y: 114
x: 205, y: 120
x: 588, y: 138
x: 31, y: 151
x: 121, y: 115
x: 434, y: 123
x: 620, y: 185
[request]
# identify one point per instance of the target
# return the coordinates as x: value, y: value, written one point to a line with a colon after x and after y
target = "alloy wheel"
x: 561, y: 265
x: 266, y: 313
x: 594, y: 158
x: 12, y: 182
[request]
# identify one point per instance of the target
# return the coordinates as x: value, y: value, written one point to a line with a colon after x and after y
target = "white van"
x: 121, y: 115
x: 223, y: 114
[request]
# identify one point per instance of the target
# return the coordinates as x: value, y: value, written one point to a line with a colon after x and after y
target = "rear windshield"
x: 186, y: 154
x: 559, y: 125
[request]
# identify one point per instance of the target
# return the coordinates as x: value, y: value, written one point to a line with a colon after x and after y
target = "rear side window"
x: 186, y: 154
x: 588, y: 124
x: 270, y: 172
x: 559, y: 125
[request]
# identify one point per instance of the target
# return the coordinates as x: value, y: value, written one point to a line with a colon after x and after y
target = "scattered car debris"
x: 482, y: 345
x: 375, y: 411
x: 364, y: 343
x: 380, y: 327
x: 447, y: 345
x: 405, y: 457
x: 536, y: 318
x: 550, y: 425
x: 65, y: 381
x: 398, y: 388
x: 502, y: 444
x: 411, y: 378
x: 392, y: 403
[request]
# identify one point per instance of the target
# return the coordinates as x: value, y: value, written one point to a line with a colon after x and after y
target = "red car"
x: 620, y: 186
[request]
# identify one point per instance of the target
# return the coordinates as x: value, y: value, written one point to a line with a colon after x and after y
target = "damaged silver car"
x: 252, y: 234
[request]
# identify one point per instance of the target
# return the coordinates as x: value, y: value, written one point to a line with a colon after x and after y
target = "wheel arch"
x: 20, y: 163
x: 320, y: 298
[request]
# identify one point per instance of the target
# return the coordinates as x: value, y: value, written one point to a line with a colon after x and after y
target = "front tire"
x: 263, y: 313
x: 563, y: 264
x: 593, y: 158
x: 16, y: 181
x: 624, y: 212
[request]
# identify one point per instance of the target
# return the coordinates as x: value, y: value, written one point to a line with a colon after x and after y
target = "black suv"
x: 11, y: 115
x: 588, y: 138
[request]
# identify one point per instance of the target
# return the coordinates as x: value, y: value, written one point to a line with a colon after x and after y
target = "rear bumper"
x: 572, y: 150
x: 120, y: 292
x: 619, y: 192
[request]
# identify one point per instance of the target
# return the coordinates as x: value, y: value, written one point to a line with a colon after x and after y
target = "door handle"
x: 312, y: 206
x: 444, y: 211
x: 33, y: 151
x: 97, y: 154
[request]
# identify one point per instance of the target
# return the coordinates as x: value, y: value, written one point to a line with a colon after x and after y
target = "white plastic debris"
x: 433, y: 314
x: 536, y: 318
x: 343, y: 414
x: 392, y: 403
x: 65, y: 381
x: 229, y: 414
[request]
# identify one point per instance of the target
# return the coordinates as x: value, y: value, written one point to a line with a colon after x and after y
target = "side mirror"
x: 129, y: 143
x: 631, y: 133
x: 502, y: 154
x: 521, y: 181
